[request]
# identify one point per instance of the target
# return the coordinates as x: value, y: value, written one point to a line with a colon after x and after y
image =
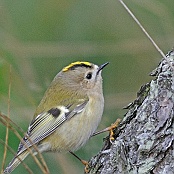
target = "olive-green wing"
x: 46, y: 123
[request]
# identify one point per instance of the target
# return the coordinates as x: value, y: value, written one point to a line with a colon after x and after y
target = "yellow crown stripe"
x: 76, y: 63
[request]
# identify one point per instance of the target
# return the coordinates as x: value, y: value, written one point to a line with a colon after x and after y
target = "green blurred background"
x: 38, y: 38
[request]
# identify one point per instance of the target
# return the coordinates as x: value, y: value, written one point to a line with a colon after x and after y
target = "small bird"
x: 68, y: 114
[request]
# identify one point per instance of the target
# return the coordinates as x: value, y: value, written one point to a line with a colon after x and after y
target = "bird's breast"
x: 74, y: 133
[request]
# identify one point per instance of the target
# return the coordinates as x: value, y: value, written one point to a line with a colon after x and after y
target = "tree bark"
x: 144, y: 140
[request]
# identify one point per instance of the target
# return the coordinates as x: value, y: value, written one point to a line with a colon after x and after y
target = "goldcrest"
x: 68, y: 114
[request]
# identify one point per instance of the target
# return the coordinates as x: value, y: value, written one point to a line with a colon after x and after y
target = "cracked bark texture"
x: 144, y: 139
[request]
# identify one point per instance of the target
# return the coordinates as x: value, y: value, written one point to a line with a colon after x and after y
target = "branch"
x: 144, y: 139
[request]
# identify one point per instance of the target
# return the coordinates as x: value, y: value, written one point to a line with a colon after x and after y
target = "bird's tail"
x: 16, y: 161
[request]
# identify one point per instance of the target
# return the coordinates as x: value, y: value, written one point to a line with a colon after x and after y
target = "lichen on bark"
x: 144, y: 140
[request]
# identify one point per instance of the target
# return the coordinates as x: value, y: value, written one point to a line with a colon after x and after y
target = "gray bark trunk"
x: 144, y: 140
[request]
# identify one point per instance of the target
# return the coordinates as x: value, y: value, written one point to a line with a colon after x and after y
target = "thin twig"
x: 13, y: 152
x: 146, y: 33
x: 4, y: 120
x: 7, y: 128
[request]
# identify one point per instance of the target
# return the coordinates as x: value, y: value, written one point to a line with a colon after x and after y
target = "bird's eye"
x: 89, y: 75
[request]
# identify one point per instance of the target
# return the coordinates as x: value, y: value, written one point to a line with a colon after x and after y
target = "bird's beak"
x: 102, y: 66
